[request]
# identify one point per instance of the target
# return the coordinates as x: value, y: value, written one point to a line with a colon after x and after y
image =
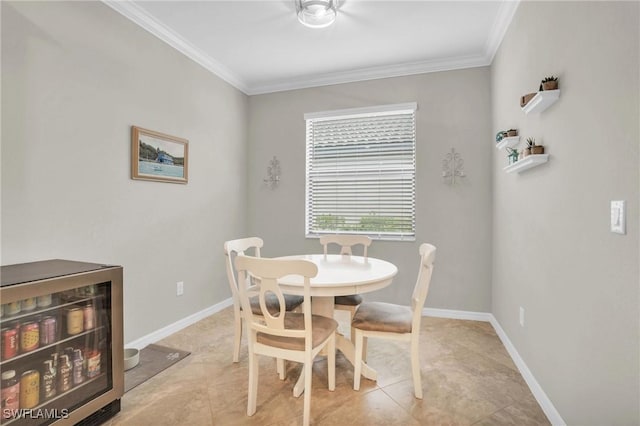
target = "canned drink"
x: 89, y: 315
x: 75, y: 321
x: 92, y: 358
x: 10, y: 393
x: 29, y: 304
x: 78, y: 367
x: 49, y: 385
x: 54, y: 360
x: 44, y: 301
x: 48, y: 328
x: 64, y: 374
x: 9, y: 342
x: 29, y: 389
x: 29, y: 336
x: 13, y: 308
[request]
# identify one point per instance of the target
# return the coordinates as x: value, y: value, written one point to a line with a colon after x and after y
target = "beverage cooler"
x: 61, y: 347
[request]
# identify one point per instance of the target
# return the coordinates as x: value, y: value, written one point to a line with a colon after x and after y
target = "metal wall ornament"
x: 452, y: 167
x: 273, y: 173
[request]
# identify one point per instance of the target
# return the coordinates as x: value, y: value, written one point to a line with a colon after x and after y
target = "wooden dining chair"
x: 349, y: 302
x: 281, y: 334
x: 398, y: 322
x: 232, y: 249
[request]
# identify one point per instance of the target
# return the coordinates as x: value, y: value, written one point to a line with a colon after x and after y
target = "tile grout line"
x: 396, y: 402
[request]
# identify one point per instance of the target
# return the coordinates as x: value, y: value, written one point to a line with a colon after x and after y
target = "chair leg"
x: 280, y: 368
x: 308, y: 366
x: 415, y: 367
x: 357, y: 366
x: 253, y: 384
x: 237, y: 327
x: 331, y: 361
x: 365, y: 340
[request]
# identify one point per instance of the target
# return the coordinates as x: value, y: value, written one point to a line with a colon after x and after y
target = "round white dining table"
x: 339, y: 275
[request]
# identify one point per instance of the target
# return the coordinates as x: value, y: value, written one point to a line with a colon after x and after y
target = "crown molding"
x: 143, y: 19
x: 373, y: 73
x: 499, y: 28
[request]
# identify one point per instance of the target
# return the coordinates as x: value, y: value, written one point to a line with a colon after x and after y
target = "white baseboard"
x: 178, y: 325
x: 545, y: 403
x: 463, y: 315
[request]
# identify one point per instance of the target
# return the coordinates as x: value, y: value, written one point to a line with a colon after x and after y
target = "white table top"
x: 341, y: 275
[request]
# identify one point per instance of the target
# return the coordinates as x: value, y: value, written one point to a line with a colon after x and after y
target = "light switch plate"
x: 618, y: 217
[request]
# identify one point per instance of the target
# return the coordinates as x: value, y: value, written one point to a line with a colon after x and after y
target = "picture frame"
x: 159, y: 157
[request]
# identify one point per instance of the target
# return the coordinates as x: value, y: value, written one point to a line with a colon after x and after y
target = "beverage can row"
x: 25, y: 305
x: 35, y: 332
x: 58, y: 374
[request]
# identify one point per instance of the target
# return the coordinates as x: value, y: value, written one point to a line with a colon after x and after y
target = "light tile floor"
x: 467, y: 376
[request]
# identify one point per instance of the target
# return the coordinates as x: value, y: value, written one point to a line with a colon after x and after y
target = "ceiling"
x: 260, y: 47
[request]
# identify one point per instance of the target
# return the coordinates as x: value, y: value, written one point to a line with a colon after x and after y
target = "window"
x: 361, y: 172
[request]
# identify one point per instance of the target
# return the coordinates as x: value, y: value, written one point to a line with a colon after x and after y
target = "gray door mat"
x: 153, y: 360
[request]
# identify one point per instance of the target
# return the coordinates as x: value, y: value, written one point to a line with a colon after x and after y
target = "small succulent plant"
x: 531, y: 142
x: 550, y: 78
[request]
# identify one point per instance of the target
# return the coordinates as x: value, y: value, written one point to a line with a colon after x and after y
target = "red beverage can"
x: 9, y: 342
x: 48, y: 328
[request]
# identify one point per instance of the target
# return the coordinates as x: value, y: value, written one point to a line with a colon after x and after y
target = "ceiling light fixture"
x: 316, y: 13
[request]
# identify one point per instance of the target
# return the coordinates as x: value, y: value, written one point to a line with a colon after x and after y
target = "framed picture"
x: 156, y: 156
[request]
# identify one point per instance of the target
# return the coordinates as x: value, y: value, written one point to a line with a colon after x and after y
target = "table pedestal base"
x: 324, y: 306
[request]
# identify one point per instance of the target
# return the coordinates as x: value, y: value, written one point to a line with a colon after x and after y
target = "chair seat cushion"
x: 379, y: 316
x: 321, y: 328
x: 290, y: 302
x: 350, y: 300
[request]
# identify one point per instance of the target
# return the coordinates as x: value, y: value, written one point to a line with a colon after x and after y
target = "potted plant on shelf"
x: 513, y: 155
x: 524, y: 100
x: 550, y: 83
x: 527, y: 151
x: 533, y: 148
x: 512, y: 132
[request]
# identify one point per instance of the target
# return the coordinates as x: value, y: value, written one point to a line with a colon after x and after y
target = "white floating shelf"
x: 508, y: 142
x: 527, y: 162
x: 541, y: 101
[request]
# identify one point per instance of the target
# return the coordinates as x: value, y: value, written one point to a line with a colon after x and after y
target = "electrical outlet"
x: 179, y: 288
x: 521, y: 316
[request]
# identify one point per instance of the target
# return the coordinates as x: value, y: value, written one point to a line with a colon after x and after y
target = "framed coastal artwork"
x: 160, y: 157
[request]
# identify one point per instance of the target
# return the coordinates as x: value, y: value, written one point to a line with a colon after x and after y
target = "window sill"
x: 375, y: 237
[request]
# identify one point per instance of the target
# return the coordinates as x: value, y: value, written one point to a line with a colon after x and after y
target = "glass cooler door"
x: 55, y: 353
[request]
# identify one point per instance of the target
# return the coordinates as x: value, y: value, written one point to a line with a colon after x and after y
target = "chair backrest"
x: 232, y: 249
x: 420, y: 291
x: 346, y: 241
x: 266, y: 273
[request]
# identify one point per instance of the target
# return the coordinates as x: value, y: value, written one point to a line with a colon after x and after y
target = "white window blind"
x: 361, y: 172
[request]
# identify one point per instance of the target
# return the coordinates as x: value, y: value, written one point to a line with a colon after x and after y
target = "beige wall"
x: 553, y: 252
x: 453, y: 111
x: 75, y: 77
